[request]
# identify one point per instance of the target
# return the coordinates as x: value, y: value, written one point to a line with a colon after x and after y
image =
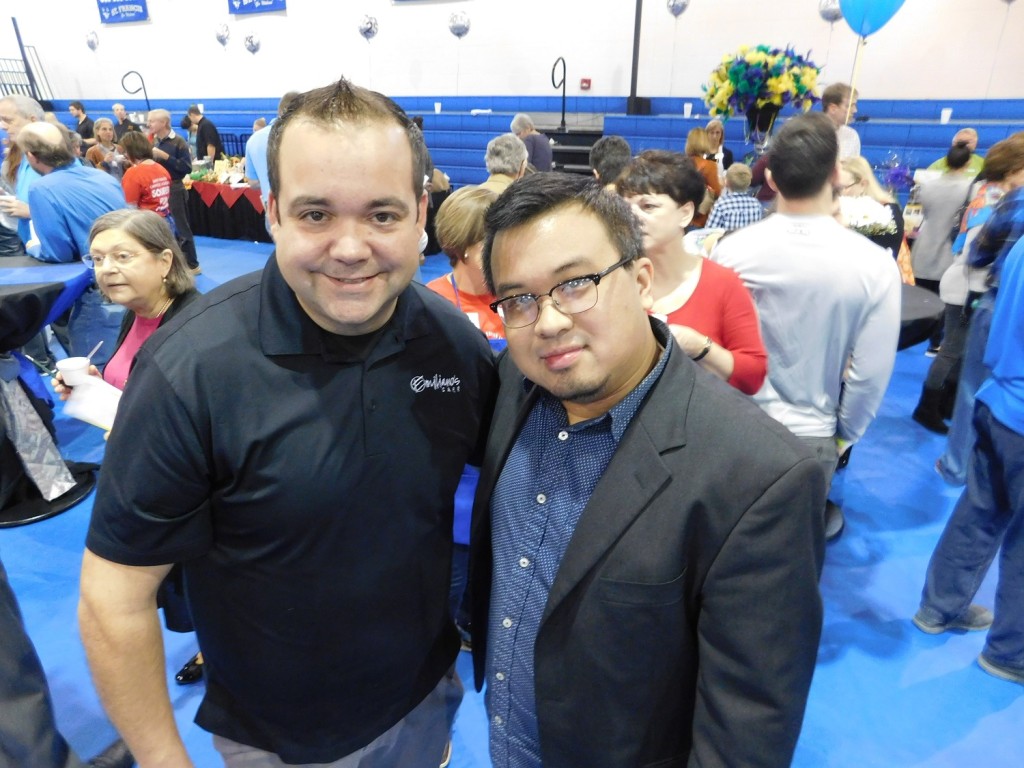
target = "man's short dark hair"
x: 541, y: 193
x: 195, y: 110
x: 286, y: 102
x: 660, y: 172
x: 608, y: 156
x: 836, y: 94
x: 77, y: 105
x: 803, y: 155
x: 344, y: 103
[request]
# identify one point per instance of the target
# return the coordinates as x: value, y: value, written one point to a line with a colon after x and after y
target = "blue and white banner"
x: 256, y: 6
x: 120, y: 11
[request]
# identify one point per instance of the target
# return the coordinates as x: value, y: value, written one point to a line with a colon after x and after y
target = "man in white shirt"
x: 839, y: 103
x: 828, y: 299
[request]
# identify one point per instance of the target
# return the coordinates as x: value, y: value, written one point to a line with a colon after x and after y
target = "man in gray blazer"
x: 647, y: 543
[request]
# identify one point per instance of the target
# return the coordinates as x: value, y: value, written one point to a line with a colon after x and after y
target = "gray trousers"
x: 416, y: 741
x: 28, y: 733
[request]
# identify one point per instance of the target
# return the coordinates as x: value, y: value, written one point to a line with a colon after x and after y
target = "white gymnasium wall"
x: 932, y: 49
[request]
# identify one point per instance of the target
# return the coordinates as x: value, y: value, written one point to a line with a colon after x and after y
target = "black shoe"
x: 928, y: 412
x: 114, y: 756
x: 834, y: 521
x: 192, y: 672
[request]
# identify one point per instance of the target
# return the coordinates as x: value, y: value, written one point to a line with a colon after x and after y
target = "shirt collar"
x: 286, y: 329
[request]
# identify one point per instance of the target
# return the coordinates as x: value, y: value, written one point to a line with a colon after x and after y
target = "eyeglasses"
x: 570, y: 297
x: 121, y: 259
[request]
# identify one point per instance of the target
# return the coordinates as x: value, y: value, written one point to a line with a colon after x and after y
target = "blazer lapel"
x: 634, y: 475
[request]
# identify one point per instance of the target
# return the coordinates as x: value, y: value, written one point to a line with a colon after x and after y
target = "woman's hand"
x: 63, y: 390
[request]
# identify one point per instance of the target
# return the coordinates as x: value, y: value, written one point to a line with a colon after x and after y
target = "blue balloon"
x: 868, y: 16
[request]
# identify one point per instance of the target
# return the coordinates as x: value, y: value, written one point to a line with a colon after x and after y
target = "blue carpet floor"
x: 884, y: 694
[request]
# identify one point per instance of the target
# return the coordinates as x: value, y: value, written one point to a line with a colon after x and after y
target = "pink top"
x: 116, y: 370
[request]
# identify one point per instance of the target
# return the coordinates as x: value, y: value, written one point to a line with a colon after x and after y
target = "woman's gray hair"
x: 521, y: 123
x: 505, y: 154
x: 154, y: 233
x: 102, y: 121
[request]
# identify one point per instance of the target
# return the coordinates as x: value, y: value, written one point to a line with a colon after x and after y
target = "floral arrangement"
x: 761, y: 76
x: 867, y: 216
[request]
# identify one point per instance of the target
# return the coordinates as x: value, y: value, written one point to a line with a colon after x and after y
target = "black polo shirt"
x: 206, y: 134
x: 309, y: 493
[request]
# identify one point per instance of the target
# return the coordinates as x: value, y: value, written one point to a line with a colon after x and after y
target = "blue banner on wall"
x: 120, y: 11
x: 256, y: 6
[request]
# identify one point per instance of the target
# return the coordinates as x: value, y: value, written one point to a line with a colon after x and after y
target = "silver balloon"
x: 223, y: 33
x: 676, y: 7
x: 830, y: 11
x: 458, y: 24
x: 368, y: 27
x: 93, y: 41
x: 252, y: 43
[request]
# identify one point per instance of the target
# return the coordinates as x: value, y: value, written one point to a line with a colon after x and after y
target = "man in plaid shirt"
x: 735, y: 208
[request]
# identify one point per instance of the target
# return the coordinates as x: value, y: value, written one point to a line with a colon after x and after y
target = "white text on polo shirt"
x: 439, y: 383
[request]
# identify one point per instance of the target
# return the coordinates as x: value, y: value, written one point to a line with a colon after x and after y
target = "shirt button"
x: 506, y: 622
x: 541, y: 498
x: 499, y: 675
x: 563, y: 435
x: 524, y: 562
x: 498, y: 720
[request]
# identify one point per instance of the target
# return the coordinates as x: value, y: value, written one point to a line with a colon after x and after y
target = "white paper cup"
x: 74, y: 370
x: 687, y: 109
x: 437, y: 107
x: 945, y: 115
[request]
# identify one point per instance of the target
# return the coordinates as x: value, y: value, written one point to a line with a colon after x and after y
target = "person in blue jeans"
x: 1004, y: 165
x: 989, y: 518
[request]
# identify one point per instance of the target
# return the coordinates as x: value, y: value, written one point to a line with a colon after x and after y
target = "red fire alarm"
x: 585, y: 84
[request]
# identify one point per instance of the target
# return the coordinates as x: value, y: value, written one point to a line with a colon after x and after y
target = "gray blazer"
x: 683, y: 625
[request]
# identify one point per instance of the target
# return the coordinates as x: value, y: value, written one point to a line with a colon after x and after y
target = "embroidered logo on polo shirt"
x: 436, y: 382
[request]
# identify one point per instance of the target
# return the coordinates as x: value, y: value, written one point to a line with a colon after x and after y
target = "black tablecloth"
x: 921, y: 311
x: 239, y: 222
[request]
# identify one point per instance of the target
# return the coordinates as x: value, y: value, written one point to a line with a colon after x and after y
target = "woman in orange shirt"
x: 698, y: 145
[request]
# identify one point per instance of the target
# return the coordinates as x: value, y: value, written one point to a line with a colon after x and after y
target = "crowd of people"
x: 598, y: 452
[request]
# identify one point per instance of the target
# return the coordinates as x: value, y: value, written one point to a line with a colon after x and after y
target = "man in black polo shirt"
x: 124, y: 123
x: 84, y: 127
x: 295, y: 439
x: 171, y: 151
x: 208, y: 143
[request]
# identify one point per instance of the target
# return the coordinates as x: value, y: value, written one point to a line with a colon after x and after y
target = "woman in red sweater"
x: 710, y: 311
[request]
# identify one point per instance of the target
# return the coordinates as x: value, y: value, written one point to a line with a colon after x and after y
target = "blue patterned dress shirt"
x: 547, y: 480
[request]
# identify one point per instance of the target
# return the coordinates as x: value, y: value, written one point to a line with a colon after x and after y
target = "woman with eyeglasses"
x: 139, y: 265
x: 857, y: 179
x: 710, y: 311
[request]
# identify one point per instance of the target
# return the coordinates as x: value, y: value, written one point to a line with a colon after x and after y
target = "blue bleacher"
x: 907, y: 129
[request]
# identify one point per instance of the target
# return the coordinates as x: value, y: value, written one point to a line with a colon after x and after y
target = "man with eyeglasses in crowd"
x: 647, y: 543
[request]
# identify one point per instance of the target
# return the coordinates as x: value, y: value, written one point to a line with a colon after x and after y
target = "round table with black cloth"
x: 32, y: 294
x: 921, y: 311
x: 240, y: 221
